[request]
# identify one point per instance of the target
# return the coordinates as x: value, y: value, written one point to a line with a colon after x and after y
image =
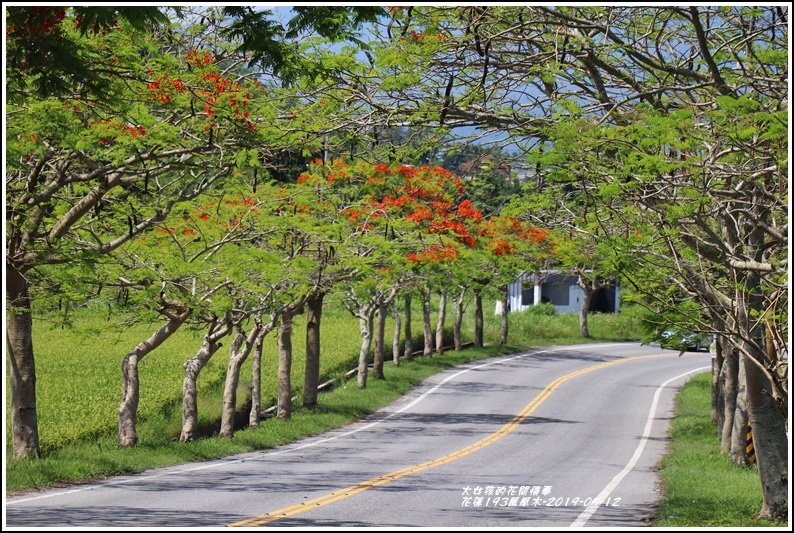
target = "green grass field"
x: 79, y: 386
x: 701, y: 488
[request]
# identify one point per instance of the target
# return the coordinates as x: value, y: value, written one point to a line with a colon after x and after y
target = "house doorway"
x: 603, y: 301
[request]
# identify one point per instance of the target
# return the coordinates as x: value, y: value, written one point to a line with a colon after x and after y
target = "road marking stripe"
x: 582, y: 519
x: 434, y: 389
x: 374, y: 482
x: 182, y: 470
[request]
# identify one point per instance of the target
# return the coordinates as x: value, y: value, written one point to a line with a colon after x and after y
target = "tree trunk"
x: 457, y: 337
x: 740, y: 419
x: 311, y: 376
x: 284, y: 403
x: 365, y: 328
x: 479, y: 336
x: 238, y: 353
x: 408, y: 348
x: 584, y: 331
x: 395, y: 341
x: 503, y: 331
x: 193, y: 367
x: 442, y: 318
x: 770, y: 442
x: 769, y: 424
x: 256, y: 383
x: 380, y: 341
x: 716, y: 367
x: 24, y: 420
x: 721, y: 347
x: 729, y: 390
x: 428, y: 329
x: 130, y: 394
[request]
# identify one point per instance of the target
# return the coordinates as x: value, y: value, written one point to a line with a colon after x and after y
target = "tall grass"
x: 532, y: 329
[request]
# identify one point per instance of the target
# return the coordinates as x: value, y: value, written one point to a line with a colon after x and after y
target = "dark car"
x: 684, y: 340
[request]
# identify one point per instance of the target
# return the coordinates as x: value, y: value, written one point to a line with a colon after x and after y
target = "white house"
x: 561, y: 290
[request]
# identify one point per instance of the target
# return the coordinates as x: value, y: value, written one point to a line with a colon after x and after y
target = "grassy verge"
x: 701, y: 487
x: 83, y: 461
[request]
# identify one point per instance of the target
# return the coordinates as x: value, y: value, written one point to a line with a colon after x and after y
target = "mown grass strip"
x: 701, y: 488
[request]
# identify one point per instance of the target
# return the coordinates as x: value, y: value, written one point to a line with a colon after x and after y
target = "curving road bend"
x: 560, y: 437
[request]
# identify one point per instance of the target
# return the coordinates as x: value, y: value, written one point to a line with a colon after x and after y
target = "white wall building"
x: 561, y: 290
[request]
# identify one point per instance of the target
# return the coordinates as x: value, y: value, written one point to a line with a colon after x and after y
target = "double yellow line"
x: 372, y: 483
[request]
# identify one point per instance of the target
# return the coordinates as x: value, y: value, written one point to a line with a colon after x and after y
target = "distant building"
x: 560, y: 289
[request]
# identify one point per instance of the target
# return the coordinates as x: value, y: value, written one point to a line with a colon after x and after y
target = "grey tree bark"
x: 380, y: 341
x: 716, y: 367
x: 769, y: 423
x: 408, y: 348
x: 365, y: 317
x: 428, y: 329
x: 729, y: 391
x: 478, y: 319
x: 19, y: 331
x: 193, y: 367
x: 741, y: 418
x: 584, y: 331
x: 505, y: 322
x: 457, y: 336
x: 130, y: 394
x: 284, y: 401
x: 256, y: 383
x: 395, y: 341
x: 238, y: 353
x: 311, y: 376
x: 442, y: 318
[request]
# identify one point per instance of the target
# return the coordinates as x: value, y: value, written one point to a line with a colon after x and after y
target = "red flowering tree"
x: 200, y: 266
x: 509, y: 246
x: 405, y: 225
x: 85, y: 176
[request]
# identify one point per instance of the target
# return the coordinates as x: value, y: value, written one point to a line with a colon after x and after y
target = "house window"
x: 556, y: 292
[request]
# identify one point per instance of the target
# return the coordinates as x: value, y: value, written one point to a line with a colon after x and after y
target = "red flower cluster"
x: 536, y: 235
x: 238, y: 97
x: 467, y: 210
x: 163, y: 88
x: 420, y: 215
x: 500, y: 246
x: 30, y: 23
x: 198, y: 59
x: 436, y: 253
x: 137, y: 131
x: 109, y: 131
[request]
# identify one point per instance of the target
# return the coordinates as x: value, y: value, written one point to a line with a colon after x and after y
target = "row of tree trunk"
x: 246, y: 343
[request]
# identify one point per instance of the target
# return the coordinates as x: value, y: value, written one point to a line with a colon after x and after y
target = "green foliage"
x: 541, y: 309
x: 43, y: 53
x: 269, y: 45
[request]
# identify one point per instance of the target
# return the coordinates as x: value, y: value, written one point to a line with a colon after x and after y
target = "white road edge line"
x: 425, y: 395
x: 313, y: 443
x: 582, y: 519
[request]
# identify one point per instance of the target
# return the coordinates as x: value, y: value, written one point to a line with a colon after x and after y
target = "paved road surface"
x: 559, y: 437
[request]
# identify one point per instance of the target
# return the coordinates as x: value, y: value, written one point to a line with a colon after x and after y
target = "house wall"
x: 521, y: 298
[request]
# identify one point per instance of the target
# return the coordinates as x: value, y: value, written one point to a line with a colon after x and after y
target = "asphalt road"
x: 567, y: 436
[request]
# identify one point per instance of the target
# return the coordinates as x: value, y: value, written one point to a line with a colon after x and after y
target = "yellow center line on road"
x: 371, y: 483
